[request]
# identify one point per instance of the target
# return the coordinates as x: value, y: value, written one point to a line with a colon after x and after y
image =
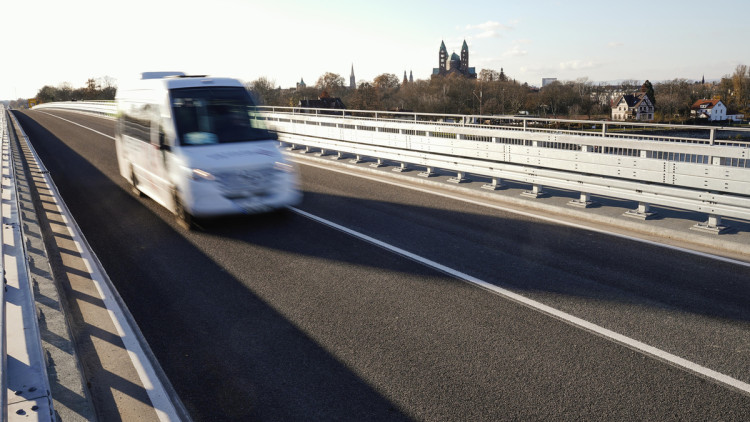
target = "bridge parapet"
x: 696, y: 168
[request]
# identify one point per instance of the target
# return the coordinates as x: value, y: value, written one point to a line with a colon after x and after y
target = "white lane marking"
x: 556, y: 313
x: 527, y: 214
x: 158, y: 395
x: 78, y: 124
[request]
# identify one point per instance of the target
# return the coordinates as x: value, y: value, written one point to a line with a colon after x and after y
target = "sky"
x: 50, y: 42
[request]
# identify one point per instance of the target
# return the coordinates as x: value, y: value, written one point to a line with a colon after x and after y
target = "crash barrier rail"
x: 104, y: 107
x: 696, y: 168
x: 4, y: 137
x: 27, y: 377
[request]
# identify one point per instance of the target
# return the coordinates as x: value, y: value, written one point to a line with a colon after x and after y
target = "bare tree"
x: 332, y: 83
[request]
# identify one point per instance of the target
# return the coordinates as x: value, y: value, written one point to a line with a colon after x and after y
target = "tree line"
x: 103, y: 88
x: 494, y: 93
x: 95, y: 89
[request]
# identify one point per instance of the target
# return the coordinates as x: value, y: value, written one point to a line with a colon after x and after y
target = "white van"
x: 193, y: 144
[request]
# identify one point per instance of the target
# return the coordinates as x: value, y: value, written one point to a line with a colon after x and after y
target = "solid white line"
x: 570, y: 319
x: 78, y: 124
x: 526, y: 213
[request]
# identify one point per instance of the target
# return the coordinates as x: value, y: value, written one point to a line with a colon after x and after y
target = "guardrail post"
x: 402, y: 168
x: 339, y: 156
x: 292, y: 147
x: 496, y: 184
x: 712, y: 225
x: 643, y: 212
x: 460, y: 178
x: 713, y: 135
x: 378, y: 163
x: 537, y: 191
x: 429, y: 172
x: 322, y: 153
x: 357, y: 159
x: 604, y: 129
x: 583, y: 202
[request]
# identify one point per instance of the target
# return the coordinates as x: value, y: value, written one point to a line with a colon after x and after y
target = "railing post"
x: 402, y: 168
x: 643, y: 212
x: 378, y: 163
x: 429, y: 172
x: 537, y: 191
x: 712, y: 135
x: 584, y: 201
x: 496, y: 184
x: 460, y: 178
x: 712, y: 225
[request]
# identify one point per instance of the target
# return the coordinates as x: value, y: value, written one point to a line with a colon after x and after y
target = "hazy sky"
x: 50, y: 42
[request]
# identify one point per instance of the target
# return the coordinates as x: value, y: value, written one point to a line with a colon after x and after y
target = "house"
x: 710, y: 110
x: 633, y: 107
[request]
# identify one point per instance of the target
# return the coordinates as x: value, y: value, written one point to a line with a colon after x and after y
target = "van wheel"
x: 184, y: 218
x: 134, y: 185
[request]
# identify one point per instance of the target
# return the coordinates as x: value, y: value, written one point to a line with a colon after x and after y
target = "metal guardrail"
x: 4, y: 136
x: 696, y: 168
x: 26, y: 370
x: 105, y: 108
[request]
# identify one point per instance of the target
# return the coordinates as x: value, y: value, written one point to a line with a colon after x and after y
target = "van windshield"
x: 215, y: 115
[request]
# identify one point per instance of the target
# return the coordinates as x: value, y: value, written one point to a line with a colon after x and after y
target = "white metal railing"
x: 696, y: 168
x: 3, y: 347
x: 27, y: 378
x: 105, y: 107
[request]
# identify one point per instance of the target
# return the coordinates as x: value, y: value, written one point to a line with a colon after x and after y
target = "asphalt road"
x: 279, y: 317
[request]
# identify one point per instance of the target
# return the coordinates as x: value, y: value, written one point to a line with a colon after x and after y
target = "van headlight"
x: 201, y: 175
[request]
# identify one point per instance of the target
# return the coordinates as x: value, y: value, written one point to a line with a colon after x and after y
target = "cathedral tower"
x: 443, y: 57
x: 464, y: 56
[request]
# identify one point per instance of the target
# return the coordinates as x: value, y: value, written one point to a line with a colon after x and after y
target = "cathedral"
x: 456, y: 64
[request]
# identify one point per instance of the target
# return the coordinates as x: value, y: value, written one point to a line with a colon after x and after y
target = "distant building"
x: 633, y: 107
x: 323, y: 102
x: 711, y: 110
x: 352, y: 81
x: 301, y: 84
x: 547, y: 81
x: 458, y: 65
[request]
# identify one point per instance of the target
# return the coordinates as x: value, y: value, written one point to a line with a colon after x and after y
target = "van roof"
x: 149, y: 88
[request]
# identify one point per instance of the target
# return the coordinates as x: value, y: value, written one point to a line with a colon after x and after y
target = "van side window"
x: 136, y: 122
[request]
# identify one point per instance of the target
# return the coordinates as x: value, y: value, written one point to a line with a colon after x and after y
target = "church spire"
x: 443, y: 57
x: 465, y: 57
x: 352, y: 81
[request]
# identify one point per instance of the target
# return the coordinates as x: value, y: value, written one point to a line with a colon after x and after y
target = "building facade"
x: 633, y: 107
x: 711, y: 110
x: 454, y: 64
